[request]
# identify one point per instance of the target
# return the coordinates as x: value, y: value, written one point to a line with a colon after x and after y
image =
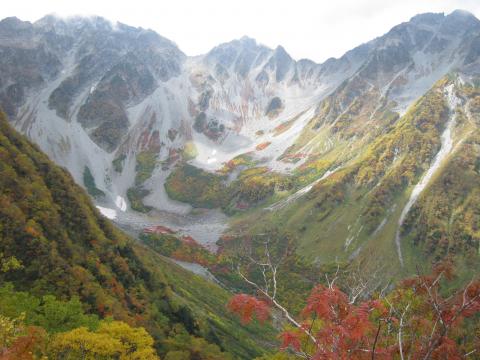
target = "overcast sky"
x: 314, y: 29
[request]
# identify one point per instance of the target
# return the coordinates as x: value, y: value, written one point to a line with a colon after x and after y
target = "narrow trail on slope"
x: 445, y: 149
x: 282, y: 203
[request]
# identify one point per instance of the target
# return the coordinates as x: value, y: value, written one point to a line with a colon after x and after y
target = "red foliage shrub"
x: 247, y: 306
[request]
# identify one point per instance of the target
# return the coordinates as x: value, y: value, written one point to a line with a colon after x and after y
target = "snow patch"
x: 445, y: 149
x: 107, y: 212
x: 121, y: 203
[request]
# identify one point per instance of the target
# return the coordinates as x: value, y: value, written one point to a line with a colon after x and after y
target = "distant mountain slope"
x: 408, y: 197
x: 342, y: 152
x: 67, y: 248
x: 101, y: 98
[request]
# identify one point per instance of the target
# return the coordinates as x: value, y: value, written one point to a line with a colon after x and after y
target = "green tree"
x: 9, y: 263
x: 58, y: 316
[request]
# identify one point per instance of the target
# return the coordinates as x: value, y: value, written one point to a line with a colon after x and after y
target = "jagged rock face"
x: 84, y: 51
x: 236, y: 83
x: 25, y: 63
x: 97, y: 95
x: 404, y: 63
x: 125, y: 84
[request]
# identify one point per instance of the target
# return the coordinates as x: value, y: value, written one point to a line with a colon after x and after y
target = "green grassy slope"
x: 353, y: 214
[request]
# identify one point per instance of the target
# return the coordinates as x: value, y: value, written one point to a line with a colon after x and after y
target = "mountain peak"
x: 13, y: 21
x: 428, y: 18
x: 247, y: 40
x: 281, y: 54
x: 49, y: 19
x: 281, y: 50
x: 93, y: 21
x: 244, y: 48
x: 437, y: 18
x: 13, y: 28
x: 462, y: 13
x: 460, y: 20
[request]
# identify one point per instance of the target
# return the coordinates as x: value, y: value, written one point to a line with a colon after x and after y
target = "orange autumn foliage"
x: 262, y: 146
x: 248, y: 306
x: 416, y: 321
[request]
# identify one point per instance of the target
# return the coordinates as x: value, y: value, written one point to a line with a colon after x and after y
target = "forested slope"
x: 67, y: 249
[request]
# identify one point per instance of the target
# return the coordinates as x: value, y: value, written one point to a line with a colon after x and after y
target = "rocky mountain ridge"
x: 120, y: 107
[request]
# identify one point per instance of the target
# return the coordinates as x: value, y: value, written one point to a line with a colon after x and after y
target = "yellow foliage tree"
x: 113, y: 340
x: 10, y: 329
x: 136, y: 343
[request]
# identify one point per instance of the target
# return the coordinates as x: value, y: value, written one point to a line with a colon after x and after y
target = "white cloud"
x: 315, y: 29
